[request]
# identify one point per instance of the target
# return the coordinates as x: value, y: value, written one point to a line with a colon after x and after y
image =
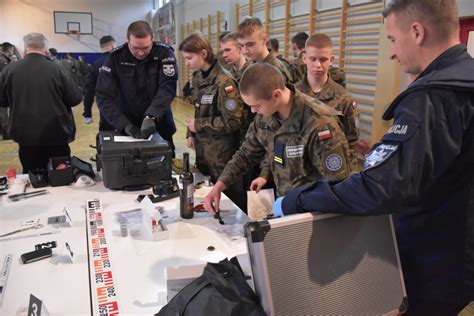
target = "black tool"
x: 217, y: 215
x: 19, y: 196
x: 42, y: 251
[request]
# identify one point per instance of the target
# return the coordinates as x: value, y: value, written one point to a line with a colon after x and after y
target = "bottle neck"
x: 185, y: 162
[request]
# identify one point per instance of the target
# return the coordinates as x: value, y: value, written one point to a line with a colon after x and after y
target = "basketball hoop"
x: 73, y: 34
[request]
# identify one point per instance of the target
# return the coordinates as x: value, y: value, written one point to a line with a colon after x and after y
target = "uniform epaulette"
x: 320, y: 107
x: 118, y: 47
x: 165, y: 45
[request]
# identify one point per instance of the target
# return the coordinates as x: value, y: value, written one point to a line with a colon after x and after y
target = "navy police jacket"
x: 129, y: 89
x: 91, y: 80
x: 422, y: 171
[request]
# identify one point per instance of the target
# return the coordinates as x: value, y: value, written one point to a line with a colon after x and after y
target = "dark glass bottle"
x: 186, y: 196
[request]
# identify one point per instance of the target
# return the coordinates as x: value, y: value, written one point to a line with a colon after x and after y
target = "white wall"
x: 19, y: 17
x: 465, y: 8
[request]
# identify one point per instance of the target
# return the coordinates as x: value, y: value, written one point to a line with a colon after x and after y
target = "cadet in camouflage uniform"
x: 253, y: 40
x: 232, y: 54
x: 338, y: 75
x: 298, y: 137
x: 214, y: 133
x: 298, y: 67
x: 318, y: 84
x: 273, y: 46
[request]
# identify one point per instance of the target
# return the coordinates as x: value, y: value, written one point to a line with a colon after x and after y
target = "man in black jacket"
x: 107, y: 44
x: 422, y: 171
x: 5, y: 59
x: 137, y: 84
x: 40, y: 96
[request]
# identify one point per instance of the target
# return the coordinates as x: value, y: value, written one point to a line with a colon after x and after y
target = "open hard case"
x: 325, y: 264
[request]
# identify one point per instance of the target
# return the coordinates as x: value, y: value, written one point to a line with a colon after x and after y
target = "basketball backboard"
x: 72, y: 22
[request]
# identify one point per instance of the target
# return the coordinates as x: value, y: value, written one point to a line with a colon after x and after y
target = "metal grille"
x: 336, y: 266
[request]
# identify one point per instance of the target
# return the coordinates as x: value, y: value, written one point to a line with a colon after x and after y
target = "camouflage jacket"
x: 298, y: 68
x: 308, y: 146
x: 218, y: 114
x: 236, y: 74
x: 281, y: 66
x: 338, y: 75
x: 247, y: 115
x: 338, y: 98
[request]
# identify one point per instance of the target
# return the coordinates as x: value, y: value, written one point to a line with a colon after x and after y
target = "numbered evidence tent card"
x: 36, y: 307
x: 103, y: 290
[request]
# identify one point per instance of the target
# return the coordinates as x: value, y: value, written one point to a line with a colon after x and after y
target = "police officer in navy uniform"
x: 137, y: 84
x: 107, y: 44
x: 422, y: 171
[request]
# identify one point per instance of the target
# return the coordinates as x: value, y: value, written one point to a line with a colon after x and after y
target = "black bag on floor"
x: 221, y: 290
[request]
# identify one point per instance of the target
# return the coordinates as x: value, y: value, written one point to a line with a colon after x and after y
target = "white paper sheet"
x: 260, y: 204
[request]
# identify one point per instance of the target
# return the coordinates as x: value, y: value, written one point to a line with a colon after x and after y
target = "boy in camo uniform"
x: 318, y: 84
x: 297, y: 137
x: 253, y: 40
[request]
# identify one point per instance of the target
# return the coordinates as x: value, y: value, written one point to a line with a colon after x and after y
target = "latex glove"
x: 132, y: 130
x: 277, y: 207
x: 148, y: 127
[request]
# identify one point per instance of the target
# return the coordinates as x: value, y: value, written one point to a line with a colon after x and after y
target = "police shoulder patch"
x: 168, y: 70
x: 333, y: 162
x: 379, y: 154
x: 230, y: 104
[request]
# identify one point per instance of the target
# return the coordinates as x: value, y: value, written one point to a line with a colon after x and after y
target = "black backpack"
x: 221, y: 290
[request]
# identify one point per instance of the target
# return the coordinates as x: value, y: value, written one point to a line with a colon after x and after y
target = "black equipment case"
x: 326, y: 264
x: 133, y: 164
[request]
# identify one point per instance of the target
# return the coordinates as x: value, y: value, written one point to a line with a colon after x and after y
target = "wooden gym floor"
x: 86, y: 134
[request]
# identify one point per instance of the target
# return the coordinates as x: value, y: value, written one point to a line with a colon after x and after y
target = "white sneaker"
x: 88, y: 120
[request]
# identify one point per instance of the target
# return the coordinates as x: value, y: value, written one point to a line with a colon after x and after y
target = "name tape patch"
x: 207, y: 99
x: 294, y: 151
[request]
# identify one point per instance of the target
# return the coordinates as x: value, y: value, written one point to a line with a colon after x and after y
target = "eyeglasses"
x: 140, y: 49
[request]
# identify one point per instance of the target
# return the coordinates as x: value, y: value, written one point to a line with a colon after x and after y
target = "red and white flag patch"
x: 324, y: 134
x: 229, y: 89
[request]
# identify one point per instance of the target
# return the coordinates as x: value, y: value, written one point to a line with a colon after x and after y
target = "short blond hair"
x: 318, y: 40
x: 249, y: 25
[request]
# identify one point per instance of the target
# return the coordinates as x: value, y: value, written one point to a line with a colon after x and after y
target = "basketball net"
x: 74, y: 34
